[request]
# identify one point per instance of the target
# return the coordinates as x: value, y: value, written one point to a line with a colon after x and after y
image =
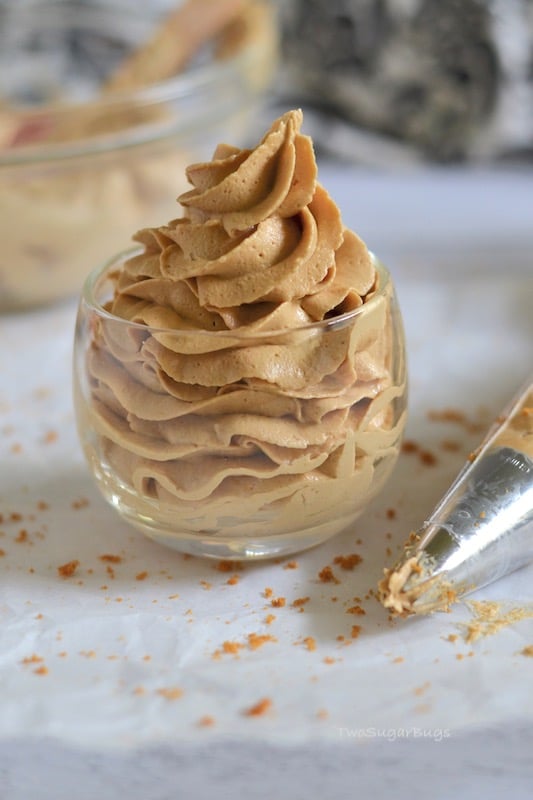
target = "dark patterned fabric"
x: 446, y: 79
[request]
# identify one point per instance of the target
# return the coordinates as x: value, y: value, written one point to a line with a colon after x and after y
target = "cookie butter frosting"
x: 254, y: 404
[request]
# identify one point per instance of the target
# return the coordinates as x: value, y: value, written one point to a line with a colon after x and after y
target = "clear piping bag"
x: 481, y: 530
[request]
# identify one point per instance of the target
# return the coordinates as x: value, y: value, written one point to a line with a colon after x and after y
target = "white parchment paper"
x: 142, y: 646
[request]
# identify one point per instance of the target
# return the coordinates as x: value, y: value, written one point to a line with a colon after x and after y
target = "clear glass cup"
x: 281, y: 454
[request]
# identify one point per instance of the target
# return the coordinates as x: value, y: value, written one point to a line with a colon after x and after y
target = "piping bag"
x: 481, y: 530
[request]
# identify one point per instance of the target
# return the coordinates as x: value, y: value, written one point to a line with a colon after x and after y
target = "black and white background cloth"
x: 442, y: 80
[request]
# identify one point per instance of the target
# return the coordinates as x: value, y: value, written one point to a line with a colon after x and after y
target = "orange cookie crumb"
x: 67, y: 570
x: 348, y: 562
x: 357, y: 610
x: 259, y: 708
x: 326, y: 575
x: 206, y: 721
x: 258, y: 640
x: 300, y: 601
x: 110, y: 558
x: 170, y: 693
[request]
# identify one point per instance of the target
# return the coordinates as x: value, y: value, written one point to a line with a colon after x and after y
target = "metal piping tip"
x: 481, y: 530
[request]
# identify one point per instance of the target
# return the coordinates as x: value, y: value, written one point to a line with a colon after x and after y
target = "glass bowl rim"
x: 102, y: 272
x: 193, y: 83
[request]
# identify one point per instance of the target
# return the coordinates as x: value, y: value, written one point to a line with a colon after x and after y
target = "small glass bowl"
x: 81, y: 167
x: 282, y: 456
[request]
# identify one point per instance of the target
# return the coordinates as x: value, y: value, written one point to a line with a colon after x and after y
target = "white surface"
x: 96, y: 725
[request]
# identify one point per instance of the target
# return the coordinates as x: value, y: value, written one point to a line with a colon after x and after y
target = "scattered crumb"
x: 2, y: 553
x: 22, y: 536
x: 427, y: 457
x: 259, y: 708
x: 457, y: 417
x: 42, y: 505
x: 349, y: 561
x: 356, y: 630
x: 291, y: 565
x: 278, y: 602
x: 310, y: 643
x: 50, y: 437
x: 527, y: 651
x: 258, y: 640
x: 420, y: 690
x: 450, y: 445
x: 170, y: 693
x: 206, y: 721
x: 357, y: 609
x: 326, y: 575
x: 206, y: 585
x: 82, y: 502
x: 408, y: 446
x: 42, y: 670
x: 67, y: 570
x: 452, y: 637
x: 33, y: 659
x: 391, y: 513
x: 110, y: 558
x: 231, y: 647
x: 268, y: 592
x: 398, y: 660
x: 233, y: 580
x: 228, y: 566
x: 447, y: 415
x: 329, y: 660
x: 269, y: 619
x: 322, y: 713
x: 141, y: 576
x: 300, y: 602
x: 489, y: 618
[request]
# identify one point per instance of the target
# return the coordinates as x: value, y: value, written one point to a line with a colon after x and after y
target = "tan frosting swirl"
x: 236, y: 404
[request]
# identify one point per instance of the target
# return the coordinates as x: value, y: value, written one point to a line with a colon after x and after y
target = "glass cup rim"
x: 102, y: 272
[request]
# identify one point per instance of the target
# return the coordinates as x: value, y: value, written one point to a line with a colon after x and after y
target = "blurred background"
x: 441, y: 80
x: 390, y: 80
